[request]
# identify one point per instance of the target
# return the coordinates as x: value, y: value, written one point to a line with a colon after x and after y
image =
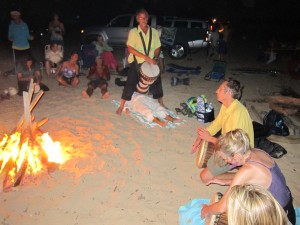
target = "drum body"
x: 205, y: 151
x: 216, y: 219
x: 147, y: 76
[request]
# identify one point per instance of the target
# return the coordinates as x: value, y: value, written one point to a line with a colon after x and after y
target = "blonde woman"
x: 255, y: 167
x: 253, y: 204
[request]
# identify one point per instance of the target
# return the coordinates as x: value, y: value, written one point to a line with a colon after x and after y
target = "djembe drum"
x: 148, y: 75
x: 205, y: 151
x: 216, y: 219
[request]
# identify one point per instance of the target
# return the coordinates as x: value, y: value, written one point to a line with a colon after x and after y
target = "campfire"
x: 28, y: 150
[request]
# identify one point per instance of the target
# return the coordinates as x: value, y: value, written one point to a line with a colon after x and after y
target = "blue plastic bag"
x: 190, y: 214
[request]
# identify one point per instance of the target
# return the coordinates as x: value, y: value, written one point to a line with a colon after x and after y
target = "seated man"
x: 99, y: 75
x: 233, y: 114
x: 53, y: 56
x: 149, y: 108
x: 27, y: 71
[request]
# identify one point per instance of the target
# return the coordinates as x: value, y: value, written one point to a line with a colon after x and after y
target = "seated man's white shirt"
x: 54, y: 57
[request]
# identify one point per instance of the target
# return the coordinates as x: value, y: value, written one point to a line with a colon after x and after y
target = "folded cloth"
x: 189, y: 214
x: 149, y: 124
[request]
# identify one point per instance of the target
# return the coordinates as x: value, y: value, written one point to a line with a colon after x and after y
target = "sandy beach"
x: 119, y: 171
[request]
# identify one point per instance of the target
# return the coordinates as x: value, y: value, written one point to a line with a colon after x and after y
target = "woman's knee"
x: 205, y: 175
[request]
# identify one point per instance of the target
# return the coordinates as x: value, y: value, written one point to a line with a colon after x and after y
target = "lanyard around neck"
x: 149, y: 43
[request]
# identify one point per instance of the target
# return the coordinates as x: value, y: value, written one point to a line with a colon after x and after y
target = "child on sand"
x: 149, y: 108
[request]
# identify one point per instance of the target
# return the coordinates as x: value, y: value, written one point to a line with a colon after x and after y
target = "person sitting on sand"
x: 99, y: 75
x: 253, y: 204
x: 233, y: 114
x: 67, y: 75
x: 255, y: 166
x: 27, y: 71
x: 150, y: 108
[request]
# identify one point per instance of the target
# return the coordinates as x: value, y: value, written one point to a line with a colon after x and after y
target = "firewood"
x: 293, y: 139
x: 281, y: 109
x: 27, y: 115
x: 20, y: 174
x: 32, y: 105
x: 4, y: 175
x: 283, y: 104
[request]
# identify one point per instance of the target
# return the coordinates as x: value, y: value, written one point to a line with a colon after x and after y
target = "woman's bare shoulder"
x: 262, y: 157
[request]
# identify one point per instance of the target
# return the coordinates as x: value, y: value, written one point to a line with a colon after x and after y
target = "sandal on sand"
x: 186, y: 110
x: 183, y: 105
x: 178, y: 111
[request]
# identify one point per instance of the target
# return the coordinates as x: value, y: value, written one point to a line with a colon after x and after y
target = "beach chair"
x: 218, y: 71
x: 54, y: 61
x: 88, y: 55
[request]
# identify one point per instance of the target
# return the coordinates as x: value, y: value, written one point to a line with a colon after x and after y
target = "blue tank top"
x: 278, y: 186
x: 68, y: 73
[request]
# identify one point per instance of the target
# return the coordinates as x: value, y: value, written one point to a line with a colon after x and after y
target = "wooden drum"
x: 205, y: 151
x: 148, y: 75
x: 216, y: 219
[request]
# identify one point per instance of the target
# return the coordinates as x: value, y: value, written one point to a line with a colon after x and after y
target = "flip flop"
x: 178, y: 111
x: 183, y: 105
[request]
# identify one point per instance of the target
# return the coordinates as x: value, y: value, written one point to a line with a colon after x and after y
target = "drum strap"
x: 149, y: 43
x: 144, y: 45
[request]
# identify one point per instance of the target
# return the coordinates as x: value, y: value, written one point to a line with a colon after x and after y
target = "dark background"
x: 256, y: 19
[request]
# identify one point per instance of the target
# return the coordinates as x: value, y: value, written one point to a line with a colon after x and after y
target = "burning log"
x: 4, y: 175
x: 27, y: 149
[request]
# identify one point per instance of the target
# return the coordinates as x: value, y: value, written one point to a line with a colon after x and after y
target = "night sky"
x: 280, y: 17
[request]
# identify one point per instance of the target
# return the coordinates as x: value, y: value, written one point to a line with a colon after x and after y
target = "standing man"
x: 18, y: 33
x: 144, y: 46
x: 233, y: 114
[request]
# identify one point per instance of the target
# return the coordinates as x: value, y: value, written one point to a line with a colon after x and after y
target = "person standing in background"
x: 18, y: 34
x: 56, y: 30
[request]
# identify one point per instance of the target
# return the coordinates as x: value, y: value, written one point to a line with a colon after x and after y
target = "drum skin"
x: 148, y: 75
x: 201, y: 153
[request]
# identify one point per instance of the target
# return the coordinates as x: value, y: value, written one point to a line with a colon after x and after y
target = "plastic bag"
x: 190, y: 214
x: 274, y: 121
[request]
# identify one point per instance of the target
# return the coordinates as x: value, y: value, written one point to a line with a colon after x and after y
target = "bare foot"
x: 160, y: 122
x: 127, y: 111
x: 175, y: 120
x: 172, y: 119
x: 85, y: 94
x: 105, y: 95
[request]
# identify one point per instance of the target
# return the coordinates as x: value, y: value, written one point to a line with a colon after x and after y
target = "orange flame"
x: 42, y: 148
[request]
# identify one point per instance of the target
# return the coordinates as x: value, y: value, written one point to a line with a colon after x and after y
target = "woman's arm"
x: 60, y: 69
x: 50, y: 27
x: 62, y: 27
x: 241, y: 177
